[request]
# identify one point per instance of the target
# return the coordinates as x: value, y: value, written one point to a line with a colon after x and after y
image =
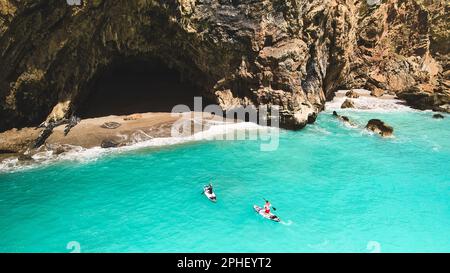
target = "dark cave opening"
x: 137, y: 86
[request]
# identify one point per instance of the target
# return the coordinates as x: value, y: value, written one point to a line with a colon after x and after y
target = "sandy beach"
x: 88, y: 133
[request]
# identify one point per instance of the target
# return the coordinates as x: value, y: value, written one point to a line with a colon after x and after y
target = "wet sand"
x: 89, y: 133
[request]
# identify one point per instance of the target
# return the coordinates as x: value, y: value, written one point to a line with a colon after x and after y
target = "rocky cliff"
x: 291, y: 53
x: 403, y: 48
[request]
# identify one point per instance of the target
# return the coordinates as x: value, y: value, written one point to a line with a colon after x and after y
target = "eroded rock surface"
x: 352, y: 94
x: 403, y: 48
x: 290, y: 53
x: 348, y: 103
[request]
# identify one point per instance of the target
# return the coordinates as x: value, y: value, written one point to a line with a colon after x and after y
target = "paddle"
x: 272, y: 207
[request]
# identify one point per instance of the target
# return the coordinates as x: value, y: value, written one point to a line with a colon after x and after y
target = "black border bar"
x: 223, y: 262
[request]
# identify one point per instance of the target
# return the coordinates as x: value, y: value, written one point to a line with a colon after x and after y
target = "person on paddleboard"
x: 267, y: 207
x: 210, y: 188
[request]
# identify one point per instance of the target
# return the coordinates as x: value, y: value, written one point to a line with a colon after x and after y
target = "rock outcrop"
x: 25, y: 157
x: 377, y: 92
x: 352, y: 94
x: 348, y: 103
x: 403, y: 48
x: 290, y: 53
x: 379, y: 127
x: 110, y: 143
x: 344, y: 119
x: 18, y: 141
x: 60, y: 149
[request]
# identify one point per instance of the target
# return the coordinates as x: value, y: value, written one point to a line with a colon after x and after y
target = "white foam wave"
x: 436, y: 148
x: 83, y: 155
x: 288, y: 223
x: 367, y: 103
x: 319, y: 130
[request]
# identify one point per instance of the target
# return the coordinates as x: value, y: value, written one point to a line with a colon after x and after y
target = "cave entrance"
x: 137, y: 86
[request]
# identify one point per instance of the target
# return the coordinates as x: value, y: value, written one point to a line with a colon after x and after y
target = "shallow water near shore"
x: 336, y: 188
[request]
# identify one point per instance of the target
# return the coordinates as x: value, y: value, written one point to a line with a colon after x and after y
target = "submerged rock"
x: 348, y: 104
x: 344, y: 119
x: 380, y: 127
x: 438, y: 116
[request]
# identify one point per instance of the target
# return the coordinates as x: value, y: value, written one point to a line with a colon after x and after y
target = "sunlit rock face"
x: 403, y: 48
x: 289, y: 53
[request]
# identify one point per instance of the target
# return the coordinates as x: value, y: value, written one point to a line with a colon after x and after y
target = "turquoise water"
x: 337, y: 189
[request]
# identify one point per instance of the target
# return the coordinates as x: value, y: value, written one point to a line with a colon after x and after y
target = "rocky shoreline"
x: 117, y: 131
x: 105, y: 132
x: 294, y: 54
x: 365, y: 100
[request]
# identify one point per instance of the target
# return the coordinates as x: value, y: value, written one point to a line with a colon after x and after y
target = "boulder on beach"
x: 352, y: 94
x: 348, y: 104
x: 438, y: 116
x: 377, y: 92
x: 380, y: 127
x: 110, y: 125
x: 60, y: 149
x: 110, y: 143
x: 24, y: 157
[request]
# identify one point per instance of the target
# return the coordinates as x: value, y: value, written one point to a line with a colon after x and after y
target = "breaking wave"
x: 365, y: 102
x: 217, y: 130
